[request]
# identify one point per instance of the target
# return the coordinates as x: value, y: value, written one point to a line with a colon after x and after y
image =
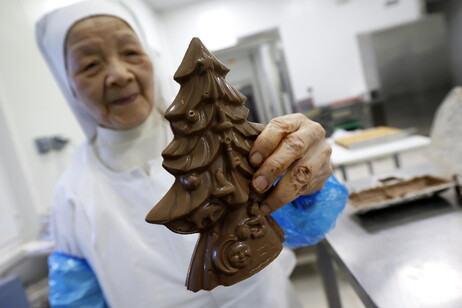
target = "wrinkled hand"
x: 295, y: 147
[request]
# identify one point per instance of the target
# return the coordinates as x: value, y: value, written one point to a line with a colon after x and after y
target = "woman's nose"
x: 118, y: 74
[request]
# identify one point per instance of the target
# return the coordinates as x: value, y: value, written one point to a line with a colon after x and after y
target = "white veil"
x: 51, y: 31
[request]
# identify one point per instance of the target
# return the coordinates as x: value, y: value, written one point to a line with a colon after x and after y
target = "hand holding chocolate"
x: 212, y: 193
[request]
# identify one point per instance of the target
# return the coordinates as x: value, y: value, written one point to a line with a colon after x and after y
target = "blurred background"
x: 348, y: 64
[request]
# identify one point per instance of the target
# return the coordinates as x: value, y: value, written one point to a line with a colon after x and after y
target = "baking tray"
x: 399, y: 192
x: 373, y: 136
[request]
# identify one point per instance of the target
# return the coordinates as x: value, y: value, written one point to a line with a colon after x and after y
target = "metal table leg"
x: 344, y: 173
x: 396, y: 159
x: 329, y: 279
x: 370, y: 167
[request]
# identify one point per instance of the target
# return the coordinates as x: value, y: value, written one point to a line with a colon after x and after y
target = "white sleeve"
x: 270, y: 288
x: 62, y: 223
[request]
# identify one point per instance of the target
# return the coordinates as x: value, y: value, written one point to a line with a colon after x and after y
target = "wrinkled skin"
x: 294, y: 147
x: 109, y: 72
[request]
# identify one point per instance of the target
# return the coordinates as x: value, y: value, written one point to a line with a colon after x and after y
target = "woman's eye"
x: 89, y: 66
x: 131, y: 53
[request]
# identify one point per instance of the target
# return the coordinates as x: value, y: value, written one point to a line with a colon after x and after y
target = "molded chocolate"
x: 398, y: 190
x: 212, y: 193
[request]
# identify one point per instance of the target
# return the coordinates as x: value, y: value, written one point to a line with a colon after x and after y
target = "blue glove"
x: 72, y: 283
x: 308, y: 218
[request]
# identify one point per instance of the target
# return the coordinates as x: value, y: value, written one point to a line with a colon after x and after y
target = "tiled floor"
x: 306, y: 278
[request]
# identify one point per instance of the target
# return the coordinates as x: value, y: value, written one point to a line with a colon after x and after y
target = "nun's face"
x: 109, y: 72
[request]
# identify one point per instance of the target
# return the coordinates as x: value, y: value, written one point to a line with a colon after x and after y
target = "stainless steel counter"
x: 406, y: 256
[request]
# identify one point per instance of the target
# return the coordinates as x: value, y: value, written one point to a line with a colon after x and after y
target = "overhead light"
x: 222, y: 34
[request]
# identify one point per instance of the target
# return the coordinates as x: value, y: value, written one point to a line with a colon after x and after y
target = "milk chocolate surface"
x: 212, y: 193
x: 398, y: 190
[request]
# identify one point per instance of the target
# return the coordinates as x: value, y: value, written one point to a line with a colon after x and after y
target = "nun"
x: 101, y: 62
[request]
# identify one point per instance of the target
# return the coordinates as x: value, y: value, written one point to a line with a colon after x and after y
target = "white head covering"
x: 51, y: 31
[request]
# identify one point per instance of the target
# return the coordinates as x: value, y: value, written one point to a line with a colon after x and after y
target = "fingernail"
x: 260, y: 183
x: 256, y: 159
x: 265, y: 209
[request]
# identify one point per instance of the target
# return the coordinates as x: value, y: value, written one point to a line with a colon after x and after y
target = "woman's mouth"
x: 125, y: 100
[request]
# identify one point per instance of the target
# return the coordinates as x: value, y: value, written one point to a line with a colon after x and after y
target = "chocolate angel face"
x: 212, y: 194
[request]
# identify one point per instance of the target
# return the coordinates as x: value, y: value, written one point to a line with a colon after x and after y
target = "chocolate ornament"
x: 212, y: 193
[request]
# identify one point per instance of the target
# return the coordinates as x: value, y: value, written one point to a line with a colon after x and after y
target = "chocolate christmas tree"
x: 212, y: 194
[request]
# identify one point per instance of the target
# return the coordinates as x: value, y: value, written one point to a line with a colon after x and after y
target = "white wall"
x: 32, y: 103
x: 18, y: 220
x: 318, y: 36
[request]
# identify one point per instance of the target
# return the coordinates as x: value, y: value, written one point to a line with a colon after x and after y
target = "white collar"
x: 124, y: 150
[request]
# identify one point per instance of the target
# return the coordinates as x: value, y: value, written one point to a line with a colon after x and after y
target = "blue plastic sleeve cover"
x: 72, y: 283
x: 308, y: 218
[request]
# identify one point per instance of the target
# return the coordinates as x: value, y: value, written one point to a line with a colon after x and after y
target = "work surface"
x: 342, y: 156
x: 406, y: 256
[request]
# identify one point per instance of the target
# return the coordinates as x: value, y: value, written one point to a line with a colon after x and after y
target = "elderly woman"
x: 99, y: 58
